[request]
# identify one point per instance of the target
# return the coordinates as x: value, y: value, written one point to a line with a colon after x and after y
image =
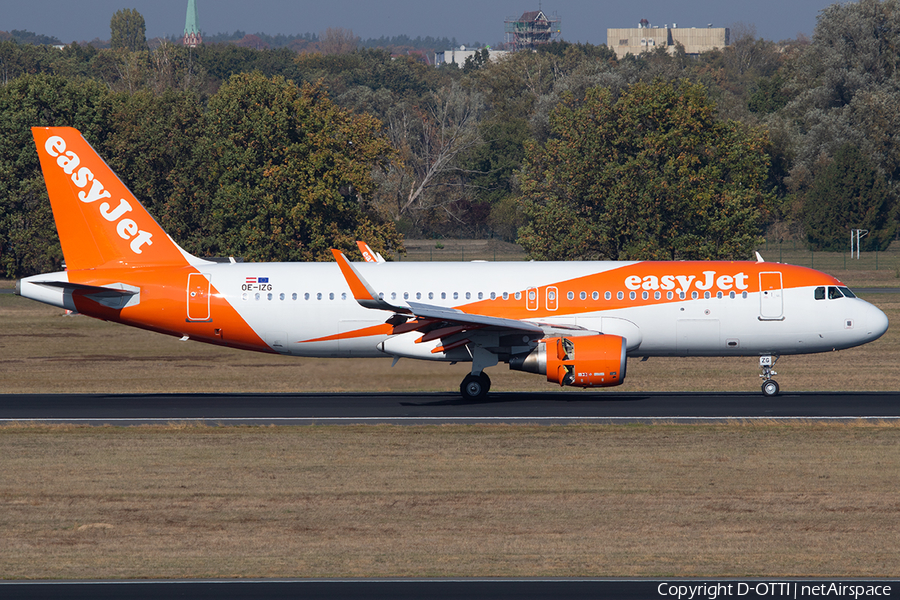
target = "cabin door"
x: 771, y: 302
x: 198, y: 297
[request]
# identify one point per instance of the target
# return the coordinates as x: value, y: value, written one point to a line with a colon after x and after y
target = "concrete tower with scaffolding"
x: 192, y: 37
x: 532, y: 29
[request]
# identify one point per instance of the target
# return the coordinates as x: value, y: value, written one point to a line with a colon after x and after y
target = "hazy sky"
x: 465, y: 20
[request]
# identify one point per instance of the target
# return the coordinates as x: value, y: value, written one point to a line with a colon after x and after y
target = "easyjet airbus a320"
x: 575, y: 323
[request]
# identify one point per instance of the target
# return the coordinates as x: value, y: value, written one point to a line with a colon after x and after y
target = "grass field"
x: 742, y: 500
x: 883, y: 265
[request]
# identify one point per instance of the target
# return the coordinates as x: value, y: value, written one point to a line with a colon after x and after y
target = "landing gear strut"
x: 769, y: 386
x: 475, y: 387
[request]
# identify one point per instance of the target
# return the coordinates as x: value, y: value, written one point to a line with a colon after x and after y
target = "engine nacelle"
x: 584, y: 361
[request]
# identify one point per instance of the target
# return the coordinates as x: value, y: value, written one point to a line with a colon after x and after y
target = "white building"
x: 459, y: 55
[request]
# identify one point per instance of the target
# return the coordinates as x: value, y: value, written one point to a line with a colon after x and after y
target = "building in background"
x: 459, y: 55
x: 192, y: 37
x: 531, y: 30
x: 646, y: 38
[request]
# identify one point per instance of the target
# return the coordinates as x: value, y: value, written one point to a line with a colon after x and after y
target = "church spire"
x: 192, y: 36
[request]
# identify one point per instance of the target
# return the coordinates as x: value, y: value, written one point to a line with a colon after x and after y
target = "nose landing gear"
x: 769, y: 386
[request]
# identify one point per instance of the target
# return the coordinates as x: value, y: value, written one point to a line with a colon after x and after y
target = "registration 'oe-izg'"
x: 576, y: 323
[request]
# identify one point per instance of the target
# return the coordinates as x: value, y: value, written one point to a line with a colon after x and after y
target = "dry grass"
x: 730, y: 500
x: 41, y: 350
x: 191, y: 501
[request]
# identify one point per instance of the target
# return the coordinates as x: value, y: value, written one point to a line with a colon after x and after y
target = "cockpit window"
x: 846, y: 291
x: 833, y: 293
x: 820, y: 293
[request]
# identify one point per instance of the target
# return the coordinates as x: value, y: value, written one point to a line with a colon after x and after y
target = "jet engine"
x: 583, y: 361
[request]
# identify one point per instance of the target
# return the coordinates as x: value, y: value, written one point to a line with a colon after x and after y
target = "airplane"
x: 575, y: 323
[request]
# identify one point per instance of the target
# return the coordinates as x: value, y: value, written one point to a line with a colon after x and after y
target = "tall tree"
x: 849, y: 194
x: 28, y: 240
x: 128, y: 30
x: 289, y: 173
x: 652, y: 175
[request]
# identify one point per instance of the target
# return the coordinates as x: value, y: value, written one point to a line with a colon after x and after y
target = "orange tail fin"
x: 100, y: 222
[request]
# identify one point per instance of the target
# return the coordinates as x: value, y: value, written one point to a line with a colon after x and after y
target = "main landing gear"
x: 475, y: 387
x: 769, y: 386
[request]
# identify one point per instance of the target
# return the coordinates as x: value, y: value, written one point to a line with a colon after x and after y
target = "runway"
x: 444, y: 408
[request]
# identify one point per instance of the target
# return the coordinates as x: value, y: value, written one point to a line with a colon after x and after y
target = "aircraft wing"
x: 368, y: 254
x: 440, y: 321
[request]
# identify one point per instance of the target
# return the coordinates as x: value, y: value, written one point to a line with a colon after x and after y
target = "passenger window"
x: 621, y: 295
x: 443, y: 295
x: 632, y: 296
x: 456, y: 295
x: 418, y: 295
x: 281, y: 296
x: 820, y: 293
x: 595, y: 296
x: 608, y: 296
x: 506, y: 295
x: 518, y: 295
x: 656, y: 295
x: 468, y: 295
x: 493, y: 295
x: 570, y: 295
x: 294, y: 296
x: 306, y: 296
x: 645, y: 295
x: 319, y: 296
x: 331, y: 295
x: 406, y: 295
x: 431, y: 295
x: 669, y: 295
x: 480, y: 295
x: 344, y: 295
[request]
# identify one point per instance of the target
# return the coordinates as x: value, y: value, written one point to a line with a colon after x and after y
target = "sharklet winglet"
x: 363, y: 293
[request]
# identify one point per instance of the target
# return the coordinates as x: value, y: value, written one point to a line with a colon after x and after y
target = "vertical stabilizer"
x: 100, y: 222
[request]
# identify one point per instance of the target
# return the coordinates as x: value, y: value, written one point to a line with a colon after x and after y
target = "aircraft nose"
x: 876, y: 322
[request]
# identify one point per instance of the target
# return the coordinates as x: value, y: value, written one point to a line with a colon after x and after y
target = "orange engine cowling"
x: 584, y: 361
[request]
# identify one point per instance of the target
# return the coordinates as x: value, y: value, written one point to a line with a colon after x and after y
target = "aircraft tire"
x: 475, y: 387
x: 770, y: 388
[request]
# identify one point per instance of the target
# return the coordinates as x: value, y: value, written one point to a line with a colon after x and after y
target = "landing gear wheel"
x: 475, y: 387
x: 770, y: 388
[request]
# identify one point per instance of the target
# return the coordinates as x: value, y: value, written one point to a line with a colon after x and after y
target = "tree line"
x: 572, y: 152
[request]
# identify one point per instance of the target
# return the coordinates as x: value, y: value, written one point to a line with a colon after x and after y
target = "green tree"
x: 151, y: 147
x: 652, y: 175
x: 290, y: 172
x: 849, y: 194
x: 128, y: 30
x: 28, y: 239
